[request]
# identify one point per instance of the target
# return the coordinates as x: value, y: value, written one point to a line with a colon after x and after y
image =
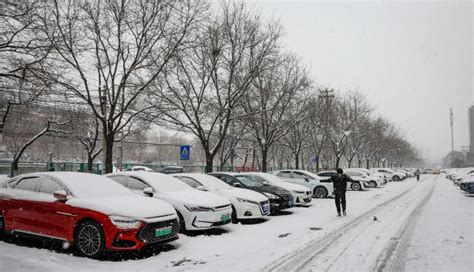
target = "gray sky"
x: 413, y: 60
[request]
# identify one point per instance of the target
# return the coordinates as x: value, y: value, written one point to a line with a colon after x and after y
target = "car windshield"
x: 164, y: 182
x: 267, y: 177
x: 212, y: 182
x: 90, y: 185
x: 249, y: 182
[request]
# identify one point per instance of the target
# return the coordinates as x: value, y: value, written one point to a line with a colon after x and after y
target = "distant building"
x: 470, y: 154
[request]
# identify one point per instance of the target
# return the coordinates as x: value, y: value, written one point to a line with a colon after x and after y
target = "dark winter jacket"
x: 340, y: 183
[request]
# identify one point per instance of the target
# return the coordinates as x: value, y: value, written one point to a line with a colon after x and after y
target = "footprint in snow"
x: 283, y: 235
x: 315, y: 228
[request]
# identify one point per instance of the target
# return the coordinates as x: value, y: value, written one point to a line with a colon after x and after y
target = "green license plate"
x: 163, y: 231
x: 225, y: 217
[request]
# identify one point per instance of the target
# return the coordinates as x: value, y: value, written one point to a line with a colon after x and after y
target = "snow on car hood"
x: 196, y: 197
x: 132, y: 206
x: 243, y: 194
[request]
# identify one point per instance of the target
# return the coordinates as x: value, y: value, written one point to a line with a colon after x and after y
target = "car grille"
x: 147, y: 234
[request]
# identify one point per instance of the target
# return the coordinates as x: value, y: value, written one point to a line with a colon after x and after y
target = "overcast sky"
x: 413, y: 60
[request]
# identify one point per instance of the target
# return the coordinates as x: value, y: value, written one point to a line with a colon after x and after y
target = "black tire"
x: 355, y: 186
x: 234, y: 216
x: 89, y: 239
x: 373, y: 184
x: 182, y: 224
x: 396, y: 178
x: 320, y: 192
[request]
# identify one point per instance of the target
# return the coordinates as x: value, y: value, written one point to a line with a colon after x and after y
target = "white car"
x: 391, y: 175
x: 321, y: 187
x: 196, y: 210
x: 301, y: 194
x: 140, y: 168
x: 374, y: 179
x: 246, y: 204
x: 358, y: 183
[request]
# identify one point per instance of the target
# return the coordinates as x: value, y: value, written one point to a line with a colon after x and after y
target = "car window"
x: 284, y: 174
x: 354, y: 174
x: 300, y: 175
x: 189, y: 181
x: 228, y: 180
x: 49, y: 186
x: 136, y: 184
x: 28, y: 184
x: 121, y: 180
x: 249, y: 182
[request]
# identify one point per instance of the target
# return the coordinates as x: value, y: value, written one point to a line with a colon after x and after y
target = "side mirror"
x: 266, y: 183
x: 236, y: 184
x: 202, y: 188
x: 306, y: 179
x: 148, y: 191
x: 60, y: 196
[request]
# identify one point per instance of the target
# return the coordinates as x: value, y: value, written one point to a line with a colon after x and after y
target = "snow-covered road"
x: 304, y: 238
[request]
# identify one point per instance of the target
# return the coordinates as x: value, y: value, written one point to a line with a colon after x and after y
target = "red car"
x: 89, y: 211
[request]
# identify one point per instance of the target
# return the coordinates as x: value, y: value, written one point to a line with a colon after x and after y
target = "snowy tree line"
x: 218, y: 71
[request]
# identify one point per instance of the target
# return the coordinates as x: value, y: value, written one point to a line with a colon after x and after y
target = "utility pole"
x: 103, y: 109
x: 451, y: 120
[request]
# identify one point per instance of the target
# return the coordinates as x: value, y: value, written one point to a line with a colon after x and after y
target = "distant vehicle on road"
x: 140, y: 168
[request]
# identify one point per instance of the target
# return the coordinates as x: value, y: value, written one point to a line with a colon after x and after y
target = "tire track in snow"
x: 394, y: 257
x: 300, y: 259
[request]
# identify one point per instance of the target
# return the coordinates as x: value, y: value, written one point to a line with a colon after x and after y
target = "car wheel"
x: 396, y: 178
x: 355, y: 186
x: 373, y: 184
x: 182, y: 224
x: 234, y: 216
x: 320, y: 192
x: 90, y: 239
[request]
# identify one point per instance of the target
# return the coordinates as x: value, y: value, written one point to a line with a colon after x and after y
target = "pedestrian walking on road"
x: 340, y: 185
x: 417, y: 174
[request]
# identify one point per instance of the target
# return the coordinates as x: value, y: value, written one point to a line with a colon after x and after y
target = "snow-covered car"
x: 89, y: 211
x: 246, y: 204
x: 466, y: 182
x: 140, y: 168
x: 358, y: 182
x: 391, y: 175
x: 280, y: 199
x: 320, y: 187
x: 301, y: 194
x: 196, y: 210
x: 374, y: 179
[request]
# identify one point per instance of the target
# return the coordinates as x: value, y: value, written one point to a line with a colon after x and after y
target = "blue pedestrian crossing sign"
x: 184, y: 151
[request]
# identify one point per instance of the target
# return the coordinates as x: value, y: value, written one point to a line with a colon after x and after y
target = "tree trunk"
x: 109, y: 145
x: 264, y: 160
x: 209, y: 163
x: 90, y: 163
x: 297, y: 161
x: 338, y: 161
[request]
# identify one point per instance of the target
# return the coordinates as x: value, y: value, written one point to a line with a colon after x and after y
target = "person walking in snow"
x: 417, y: 174
x: 340, y: 185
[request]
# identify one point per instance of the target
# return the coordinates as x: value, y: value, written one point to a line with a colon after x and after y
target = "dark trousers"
x: 340, y: 200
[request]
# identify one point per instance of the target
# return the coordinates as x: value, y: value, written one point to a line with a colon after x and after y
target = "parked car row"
x: 462, y: 177
x: 129, y: 210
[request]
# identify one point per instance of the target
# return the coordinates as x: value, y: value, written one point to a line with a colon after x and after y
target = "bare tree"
x: 205, y: 84
x: 269, y: 100
x: 113, y: 51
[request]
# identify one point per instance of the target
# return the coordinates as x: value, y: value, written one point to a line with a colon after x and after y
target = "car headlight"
x: 247, y: 201
x: 298, y: 192
x: 123, y: 222
x: 271, y: 196
x: 192, y: 208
